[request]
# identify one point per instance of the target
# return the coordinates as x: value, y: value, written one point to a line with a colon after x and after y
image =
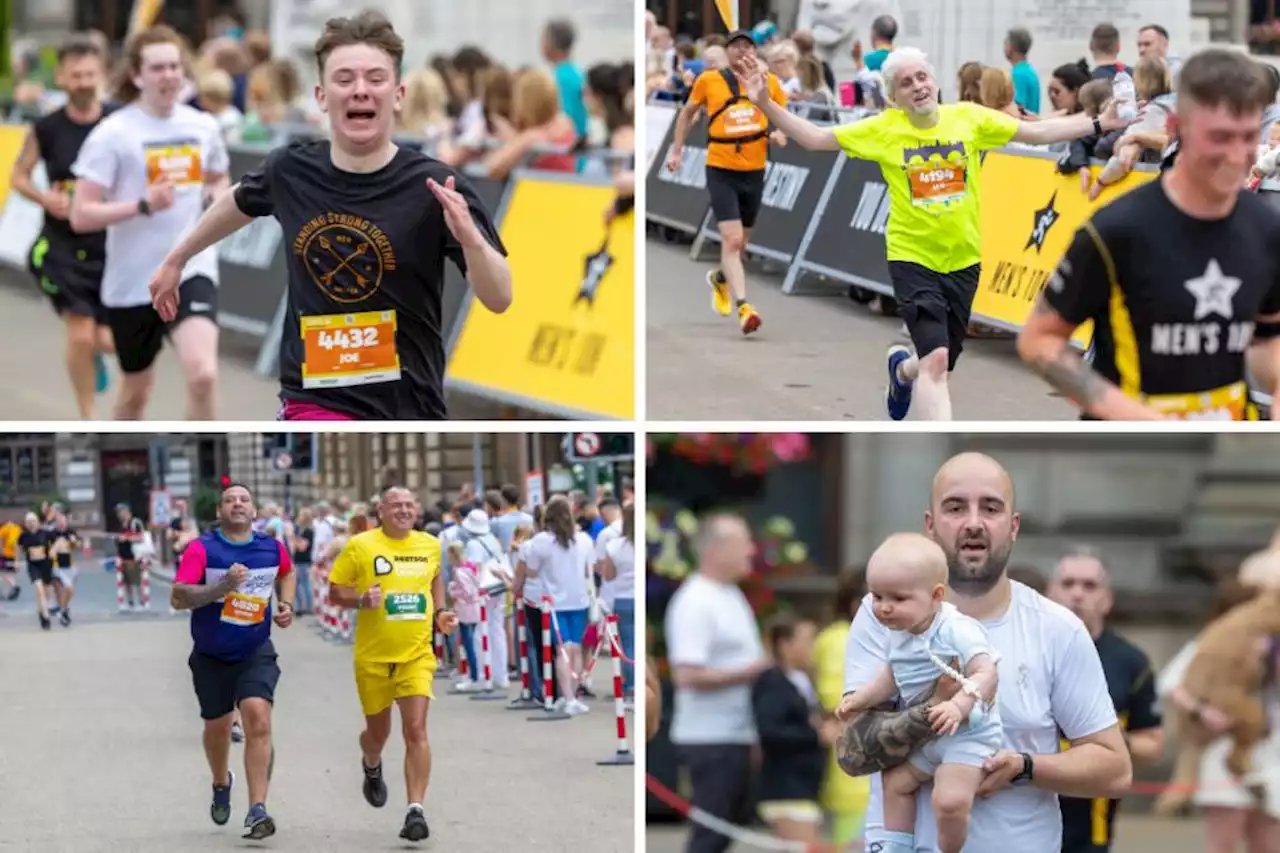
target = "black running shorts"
x: 42, y: 572
x: 935, y: 306
x: 735, y: 196
x: 139, y: 332
x: 70, y: 277
x: 221, y: 685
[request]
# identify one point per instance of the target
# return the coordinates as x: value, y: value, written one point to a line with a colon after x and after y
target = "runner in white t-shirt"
x: 1051, y: 680
x: 563, y: 557
x: 145, y: 174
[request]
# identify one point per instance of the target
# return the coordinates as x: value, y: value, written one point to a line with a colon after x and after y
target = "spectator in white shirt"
x: 482, y: 549
x: 618, y: 568
x: 562, y: 557
x: 1051, y: 681
x: 716, y: 655
x: 323, y: 527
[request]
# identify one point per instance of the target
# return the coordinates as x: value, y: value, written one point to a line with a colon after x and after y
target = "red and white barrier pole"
x: 522, y: 632
x: 623, y: 756
x: 486, y: 656
x: 549, y: 711
x: 119, y: 588
x: 146, y: 588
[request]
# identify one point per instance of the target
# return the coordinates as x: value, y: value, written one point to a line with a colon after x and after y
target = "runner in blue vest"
x: 237, y: 583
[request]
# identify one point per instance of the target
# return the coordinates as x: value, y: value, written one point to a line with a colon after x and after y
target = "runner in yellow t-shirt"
x: 9, y: 533
x: 930, y: 157
x: 392, y: 574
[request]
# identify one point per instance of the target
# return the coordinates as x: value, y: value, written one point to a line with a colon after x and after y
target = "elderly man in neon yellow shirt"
x: 929, y: 155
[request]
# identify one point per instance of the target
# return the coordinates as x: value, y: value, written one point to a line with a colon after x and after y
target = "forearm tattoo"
x: 190, y: 596
x: 1068, y: 373
x: 879, y: 740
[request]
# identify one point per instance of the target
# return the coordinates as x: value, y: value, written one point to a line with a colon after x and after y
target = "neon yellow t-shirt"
x: 933, y: 179
x: 402, y: 629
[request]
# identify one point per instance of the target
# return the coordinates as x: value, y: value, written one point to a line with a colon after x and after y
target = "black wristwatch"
x: 144, y: 207
x: 1028, y: 770
x: 1097, y: 126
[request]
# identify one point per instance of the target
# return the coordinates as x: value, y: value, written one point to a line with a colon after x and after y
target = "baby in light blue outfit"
x: 926, y: 639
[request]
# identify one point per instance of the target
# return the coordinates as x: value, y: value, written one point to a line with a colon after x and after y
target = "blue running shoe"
x: 259, y: 823
x: 220, y: 811
x: 897, y: 398
x: 103, y: 378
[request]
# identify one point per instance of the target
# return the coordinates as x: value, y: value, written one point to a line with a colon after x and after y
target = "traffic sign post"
x: 606, y: 447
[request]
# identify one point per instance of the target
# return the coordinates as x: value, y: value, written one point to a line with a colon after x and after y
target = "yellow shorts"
x: 379, y: 685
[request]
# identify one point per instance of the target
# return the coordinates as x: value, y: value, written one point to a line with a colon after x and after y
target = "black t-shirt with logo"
x: 59, y: 139
x: 37, y: 547
x: 65, y: 541
x: 366, y: 255
x: 1174, y: 299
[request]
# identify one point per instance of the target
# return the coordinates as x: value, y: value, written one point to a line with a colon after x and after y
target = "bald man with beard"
x: 1051, y: 680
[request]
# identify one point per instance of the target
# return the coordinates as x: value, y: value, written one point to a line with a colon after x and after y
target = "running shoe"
x: 721, y: 300
x: 748, y: 318
x: 66, y: 618
x: 45, y: 621
x: 14, y: 593
x: 102, y: 379
x: 576, y: 708
x: 897, y: 398
x: 237, y: 732
x: 220, y: 810
x: 259, y: 823
x: 415, y: 826
x: 375, y: 788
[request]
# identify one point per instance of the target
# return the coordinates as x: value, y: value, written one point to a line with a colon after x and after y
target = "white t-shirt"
x: 710, y: 624
x: 623, y: 555
x: 321, y: 536
x: 563, y: 571
x: 533, y: 588
x: 607, y: 587
x: 125, y: 154
x: 951, y: 635
x: 1050, y: 679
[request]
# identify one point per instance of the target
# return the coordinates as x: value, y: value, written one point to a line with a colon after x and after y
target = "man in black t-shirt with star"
x: 1082, y: 584
x: 68, y: 266
x: 1180, y: 277
x: 368, y: 227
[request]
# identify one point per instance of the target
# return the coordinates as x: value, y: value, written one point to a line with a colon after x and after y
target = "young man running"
x: 145, y: 174
x: 737, y: 153
x: 1180, y: 276
x: 369, y: 226
x: 929, y: 155
x: 392, y: 574
x: 36, y: 544
x: 236, y: 583
x: 68, y: 265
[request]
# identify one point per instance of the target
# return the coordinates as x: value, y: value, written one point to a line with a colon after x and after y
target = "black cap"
x: 740, y: 34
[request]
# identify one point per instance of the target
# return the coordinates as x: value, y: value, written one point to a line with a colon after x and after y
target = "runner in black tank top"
x: 1180, y: 277
x: 68, y: 266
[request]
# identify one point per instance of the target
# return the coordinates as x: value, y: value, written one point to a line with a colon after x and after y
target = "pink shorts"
x: 294, y: 410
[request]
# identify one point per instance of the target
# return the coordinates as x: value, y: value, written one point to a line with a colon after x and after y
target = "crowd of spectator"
x: 467, y: 109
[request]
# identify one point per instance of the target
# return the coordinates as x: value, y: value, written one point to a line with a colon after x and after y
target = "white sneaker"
x: 561, y: 705
x: 466, y: 687
x: 504, y: 684
x: 576, y: 708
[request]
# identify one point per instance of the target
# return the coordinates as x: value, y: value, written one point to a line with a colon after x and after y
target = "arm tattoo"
x: 189, y: 596
x: 880, y: 740
x: 1068, y: 373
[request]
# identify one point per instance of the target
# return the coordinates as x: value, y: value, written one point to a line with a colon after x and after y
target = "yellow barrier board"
x: 1030, y: 214
x: 11, y: 139
x: 568, y: 339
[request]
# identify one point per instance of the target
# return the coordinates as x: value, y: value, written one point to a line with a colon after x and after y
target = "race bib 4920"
x: 241, y: 609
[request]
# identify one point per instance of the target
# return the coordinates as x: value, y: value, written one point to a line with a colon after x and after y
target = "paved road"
x: 102, y: 752
x: 816, y: 357
x: 1135, y: 834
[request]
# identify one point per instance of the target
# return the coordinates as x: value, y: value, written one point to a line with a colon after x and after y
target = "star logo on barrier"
x: 595, y: 266
x: 1045, y: 218
x: 1214, y: 292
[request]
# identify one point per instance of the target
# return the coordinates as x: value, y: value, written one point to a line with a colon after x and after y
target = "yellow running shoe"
x: 748, y: 318
x: 721, y: 301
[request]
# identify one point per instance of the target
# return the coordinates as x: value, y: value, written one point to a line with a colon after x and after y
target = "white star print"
x: 1214, y: 292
